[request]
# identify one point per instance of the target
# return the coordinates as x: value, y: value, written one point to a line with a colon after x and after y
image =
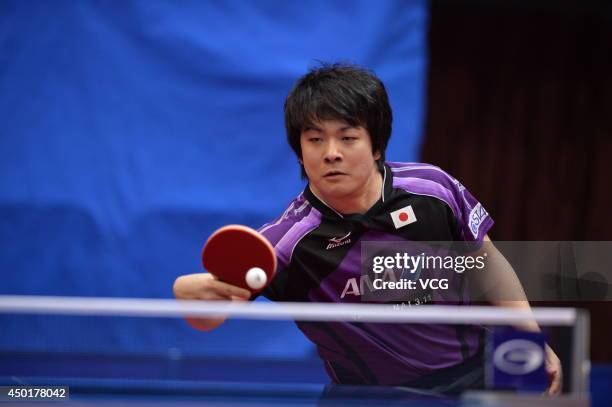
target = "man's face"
x: 338, y: 159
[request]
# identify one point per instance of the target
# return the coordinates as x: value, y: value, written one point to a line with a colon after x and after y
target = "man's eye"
x: 315, y: 139
x: 349, y: 138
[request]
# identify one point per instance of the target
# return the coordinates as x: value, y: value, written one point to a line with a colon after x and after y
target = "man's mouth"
x: 333, y: 174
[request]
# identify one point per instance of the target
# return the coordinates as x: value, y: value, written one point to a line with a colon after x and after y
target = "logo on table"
x: 518, y: 357
x: 338, y: 241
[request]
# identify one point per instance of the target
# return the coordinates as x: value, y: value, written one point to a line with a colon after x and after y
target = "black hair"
x: 339, y: 92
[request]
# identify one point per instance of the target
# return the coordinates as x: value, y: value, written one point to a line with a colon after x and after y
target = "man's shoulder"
x: 430, y: 181
x: 298, y: 215
x: 405, y: 174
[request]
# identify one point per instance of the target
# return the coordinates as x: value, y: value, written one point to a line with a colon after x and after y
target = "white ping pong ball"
x: 256, y: 278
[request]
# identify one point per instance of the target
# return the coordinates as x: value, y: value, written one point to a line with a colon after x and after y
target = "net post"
x: 581, y: 365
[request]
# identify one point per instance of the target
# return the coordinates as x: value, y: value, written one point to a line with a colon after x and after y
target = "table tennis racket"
x: 240, y: 256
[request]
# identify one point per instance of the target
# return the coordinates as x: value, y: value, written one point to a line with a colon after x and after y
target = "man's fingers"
x: 555, y: 383
x: 229, y: 291
x: 205, y: 286
x: 554, y: 371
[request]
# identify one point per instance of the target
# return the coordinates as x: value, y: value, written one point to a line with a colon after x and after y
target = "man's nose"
x: 332, y: 152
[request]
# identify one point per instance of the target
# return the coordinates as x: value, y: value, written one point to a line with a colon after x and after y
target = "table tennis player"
x: 338, y: 123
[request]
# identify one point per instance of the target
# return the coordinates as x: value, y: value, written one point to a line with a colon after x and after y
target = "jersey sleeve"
x: 472, y: 219
x: 273, y: 232
x: 284, y: 233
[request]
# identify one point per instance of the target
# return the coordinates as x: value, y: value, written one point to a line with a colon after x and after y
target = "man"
x: 338, y: 122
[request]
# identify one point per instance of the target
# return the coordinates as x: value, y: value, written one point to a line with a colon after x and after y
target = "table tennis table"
x: 160, y: 380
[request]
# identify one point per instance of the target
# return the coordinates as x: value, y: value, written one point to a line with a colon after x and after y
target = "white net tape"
x: 425, y: 314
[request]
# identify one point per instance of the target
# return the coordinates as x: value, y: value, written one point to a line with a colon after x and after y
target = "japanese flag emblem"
x: 403, y: 216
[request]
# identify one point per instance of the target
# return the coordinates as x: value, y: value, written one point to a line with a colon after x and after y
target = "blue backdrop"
x: 129, y: 131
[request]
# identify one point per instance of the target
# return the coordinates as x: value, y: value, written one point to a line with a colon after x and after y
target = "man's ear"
x: 377, y: 155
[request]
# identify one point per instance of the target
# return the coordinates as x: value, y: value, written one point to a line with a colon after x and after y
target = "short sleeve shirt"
x: 319, y: 254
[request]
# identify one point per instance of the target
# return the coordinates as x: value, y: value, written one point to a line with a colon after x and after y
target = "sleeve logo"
x: 477, y: 215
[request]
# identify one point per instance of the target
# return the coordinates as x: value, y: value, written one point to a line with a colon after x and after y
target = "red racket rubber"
x: 231, y: 251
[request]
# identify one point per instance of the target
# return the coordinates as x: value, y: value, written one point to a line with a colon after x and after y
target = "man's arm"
x: 499, y: 285
x: 205, y: 286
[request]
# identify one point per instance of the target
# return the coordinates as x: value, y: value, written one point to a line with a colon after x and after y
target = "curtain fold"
x: 519, y: 111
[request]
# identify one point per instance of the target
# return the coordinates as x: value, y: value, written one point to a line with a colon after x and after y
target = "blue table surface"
x: 146, y: 380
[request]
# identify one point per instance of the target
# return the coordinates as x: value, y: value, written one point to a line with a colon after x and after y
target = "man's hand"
x: 554, y: 371
x: 204, y: 286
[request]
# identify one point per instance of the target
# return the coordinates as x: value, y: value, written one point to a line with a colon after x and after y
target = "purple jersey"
x: 319, y: 256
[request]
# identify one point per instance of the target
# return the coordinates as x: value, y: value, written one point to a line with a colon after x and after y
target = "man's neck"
x: 361, y: 201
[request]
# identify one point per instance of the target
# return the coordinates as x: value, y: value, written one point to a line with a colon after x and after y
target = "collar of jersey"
x: 325, y: 209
